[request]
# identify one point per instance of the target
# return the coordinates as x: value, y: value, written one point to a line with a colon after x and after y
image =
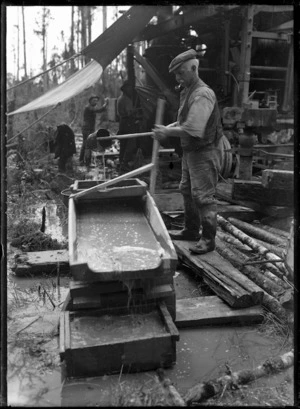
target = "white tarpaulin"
x: 75, y: 84
x: 103, y: 51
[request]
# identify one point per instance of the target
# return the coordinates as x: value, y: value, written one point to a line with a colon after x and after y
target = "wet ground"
x: 34, y: 371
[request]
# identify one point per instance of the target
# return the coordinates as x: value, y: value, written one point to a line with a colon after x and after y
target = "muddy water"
x: 34, y: 373
x: 201, y: 355
x: 116, y: 238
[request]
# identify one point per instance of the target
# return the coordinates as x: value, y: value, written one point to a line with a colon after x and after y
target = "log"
x: 172, y: 395
x: 226, y: 281
x: 279, y: 251
x: 205, y: 390
x: 257, y: 232
x: 267, y: 281
x: 254, y: 190
x: 274, y: 230
x: 226, y: 225
x: 277, y: 179
x: 232, y: 240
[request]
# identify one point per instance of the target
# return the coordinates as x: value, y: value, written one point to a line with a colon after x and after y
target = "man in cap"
x: 88, y: 127
x: 199, y: 128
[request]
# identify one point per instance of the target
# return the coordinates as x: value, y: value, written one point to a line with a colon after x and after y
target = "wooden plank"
x: 277, y: 179
x: 226, y: 281
x: 168, y: 321
x: 254, y: 190
x: 39, y: 262
x: 170, y: 201
x: 211, y: 310
x: 224, y: 192
x: 121, y: 298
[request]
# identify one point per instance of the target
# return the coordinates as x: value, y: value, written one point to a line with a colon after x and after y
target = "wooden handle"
x: 150, y: 166
x: 125, y: 136
x: 158, y: 121
x: 111, y: 182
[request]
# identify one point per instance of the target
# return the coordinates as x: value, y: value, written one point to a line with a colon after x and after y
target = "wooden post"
x: 245, y: 60
x: 158, y: 121
x: 130, y: 65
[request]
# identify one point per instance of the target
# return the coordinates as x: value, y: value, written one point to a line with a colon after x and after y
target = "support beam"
x: 245, y: 60
x: 270, y: 36
x: 196, y: 14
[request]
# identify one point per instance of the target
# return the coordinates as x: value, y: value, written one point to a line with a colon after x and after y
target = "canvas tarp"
x: 103, y: 51
x: 75, y: 84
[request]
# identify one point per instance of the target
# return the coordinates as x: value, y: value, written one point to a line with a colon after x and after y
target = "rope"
x: 25, y: 129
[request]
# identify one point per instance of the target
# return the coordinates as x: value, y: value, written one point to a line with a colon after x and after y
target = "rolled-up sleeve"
x: 200, y: 109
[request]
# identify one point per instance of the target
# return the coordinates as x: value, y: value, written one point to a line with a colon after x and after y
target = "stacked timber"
x: 247, y: 267
x: 271, y: 195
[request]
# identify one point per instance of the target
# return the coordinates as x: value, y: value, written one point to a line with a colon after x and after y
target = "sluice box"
x: 118, y: 234
x: 94, y: 342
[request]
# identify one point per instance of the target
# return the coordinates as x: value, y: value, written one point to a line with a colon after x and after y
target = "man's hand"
x: 160, y: 133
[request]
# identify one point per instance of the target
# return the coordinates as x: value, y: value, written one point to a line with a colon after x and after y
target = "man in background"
x: 88, y: 127
x: 130, y: 115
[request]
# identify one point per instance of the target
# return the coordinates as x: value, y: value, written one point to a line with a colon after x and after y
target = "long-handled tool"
x: 150, y: 166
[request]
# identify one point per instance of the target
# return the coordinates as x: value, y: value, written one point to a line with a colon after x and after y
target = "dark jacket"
x: 64, y: 142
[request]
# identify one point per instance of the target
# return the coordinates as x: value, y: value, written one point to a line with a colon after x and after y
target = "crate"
x: 95, y: 342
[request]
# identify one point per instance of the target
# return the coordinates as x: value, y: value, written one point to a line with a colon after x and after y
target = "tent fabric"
x: 121, y: 33
x: 74, y: 85
x: 103, y: 51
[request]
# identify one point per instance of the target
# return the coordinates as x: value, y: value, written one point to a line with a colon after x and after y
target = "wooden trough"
x: 94, y: 343
x: 118, y: 234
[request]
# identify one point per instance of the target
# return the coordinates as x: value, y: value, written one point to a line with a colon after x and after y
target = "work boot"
x: 209, y: 229
x: 191, y: 222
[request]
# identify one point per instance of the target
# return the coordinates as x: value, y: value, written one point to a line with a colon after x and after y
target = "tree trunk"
x: 18, y: 48
x: 257, y: 232
x: 243, y: 237
x: 24, y: 42
x: 268, y: 281
x: 232, y: 240
x: 83, y: 30
x: 71, y: 45
x: 274, y: 249
x: 172, y: 396
x: 206, y: 390
x: 273, y: 230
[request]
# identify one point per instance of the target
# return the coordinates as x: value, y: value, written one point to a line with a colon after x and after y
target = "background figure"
x: 130, y: 116
x: 64, y: 146
x: 88, y: 127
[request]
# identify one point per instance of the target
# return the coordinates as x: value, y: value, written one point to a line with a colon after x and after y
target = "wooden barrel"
x: 226, y: 158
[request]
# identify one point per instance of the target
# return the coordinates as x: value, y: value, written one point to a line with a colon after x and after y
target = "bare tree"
x: 71, y: 44
x: 18, y: 46
x: 42, y: 32
x: 24, y: 42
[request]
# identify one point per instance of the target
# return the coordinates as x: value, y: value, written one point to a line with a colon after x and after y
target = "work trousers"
x: 200, y: 173
x: 85, y: 153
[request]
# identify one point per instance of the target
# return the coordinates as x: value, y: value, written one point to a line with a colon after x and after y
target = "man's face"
x: 94, y: 101
x: 184, y: 75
